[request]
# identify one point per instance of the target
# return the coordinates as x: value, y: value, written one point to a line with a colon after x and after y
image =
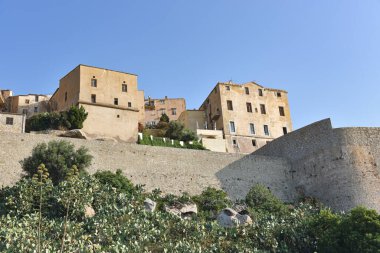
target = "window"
x: 246, y: 90
x: 36, y: 98
x: 116, y: 101
x: 162, y: 101
x: 282, y: 111
x: 229, y: 105
x: 232, y: 127
x: 24, y: 111
x: 279, y: 94
x: 35, y: 109
x: 129, y: 104
x: 27, y: 101
x: 266, y: 130
x: 124, y: 88
x: 65, y: 96
x: 234, y: 142
x: 254, y: 143
x: 284, y: 130
x: 94, y: 83
x: 174, y: 111
x: 118, y: 116
x: 9, y: 121
x: 249, y: 107
x: 228, y: 88
x: 251, y: 128
x: 93, y: 98
x: 260, y: 92
x: 262, y: 109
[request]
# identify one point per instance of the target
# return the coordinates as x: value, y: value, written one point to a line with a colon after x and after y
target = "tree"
x: 164, y: 118
x: 175, y: 130
x: 188, y: 135
x: 76, y: 116
x: 58, y: 157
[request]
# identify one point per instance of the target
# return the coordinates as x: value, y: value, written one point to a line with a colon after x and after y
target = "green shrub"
x: 72, y: 119
x: 175, y: 130
x: 210, y: 202
x: 58, y: 157
x: 164, y: 118
x: 359, y: 231
x: 76, y: 116
x: 262, y: 200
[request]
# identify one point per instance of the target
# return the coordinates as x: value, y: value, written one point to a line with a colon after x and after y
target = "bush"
x: 58, y: 157
x: 262, y: 200
x: 177, y: 131
x: 164, y: 118
x: 210, y: 202
x: 72, y: 119
x: 359, y: 231
x: 76, y: 116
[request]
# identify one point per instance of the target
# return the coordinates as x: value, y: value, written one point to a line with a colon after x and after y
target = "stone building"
x: 4, y: 95
x: 114, y: 104
x: 196, y: 121
x: 249, y: 115
x: 154, y: 108
x: 11, y: 122
x: 28, y: 104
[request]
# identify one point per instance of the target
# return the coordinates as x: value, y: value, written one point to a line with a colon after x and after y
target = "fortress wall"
x: 337, y: 166
x: 170, y: 169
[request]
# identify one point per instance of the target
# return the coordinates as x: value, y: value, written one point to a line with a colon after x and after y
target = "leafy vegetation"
x: 59, y: 157
x: 71, y: 119
x: 39, y: 216
x: 146, y: 140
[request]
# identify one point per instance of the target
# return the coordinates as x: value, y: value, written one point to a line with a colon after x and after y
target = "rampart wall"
x: 337, y: 166
x: 340, y: 166
x: 172, y: 170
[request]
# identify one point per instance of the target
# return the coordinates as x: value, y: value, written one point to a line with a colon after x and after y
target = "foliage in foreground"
x: 59, y: 157
x: 122, y: 225
x: 146, y: 140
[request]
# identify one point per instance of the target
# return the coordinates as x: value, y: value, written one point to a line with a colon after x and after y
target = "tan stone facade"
x: 249, y: 114
x: 114, y: 104
x: 28, y: 104
x: 154, y: 108
x: 10, y: 122
x: 4, y: 95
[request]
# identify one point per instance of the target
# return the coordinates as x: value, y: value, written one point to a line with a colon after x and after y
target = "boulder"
x: 230, y: 218
x: 89, y: 212
x: 183, y: 211
x: 149, y: 205
x: 75, y: 133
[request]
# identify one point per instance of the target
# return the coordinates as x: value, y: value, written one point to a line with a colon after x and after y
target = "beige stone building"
x: 4, y: 95
x: 249, y: 115
x: 196, y: 121
x: 154, y: 108
x: 28, y: 104
x: 11, y: 122
x: 114, y: 104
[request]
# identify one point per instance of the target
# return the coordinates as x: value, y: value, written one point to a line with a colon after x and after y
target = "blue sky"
x: 326, y: 53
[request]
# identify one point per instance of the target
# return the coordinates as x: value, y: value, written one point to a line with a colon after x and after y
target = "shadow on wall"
x: 337, y: 166
x: 238, y: 177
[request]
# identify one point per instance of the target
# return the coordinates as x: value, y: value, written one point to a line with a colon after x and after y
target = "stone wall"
x: 337, y: 166
x: 16, y: 126
x: 172, y: 170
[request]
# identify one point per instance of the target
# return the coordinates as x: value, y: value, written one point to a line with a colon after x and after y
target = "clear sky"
x: 325, y: 53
